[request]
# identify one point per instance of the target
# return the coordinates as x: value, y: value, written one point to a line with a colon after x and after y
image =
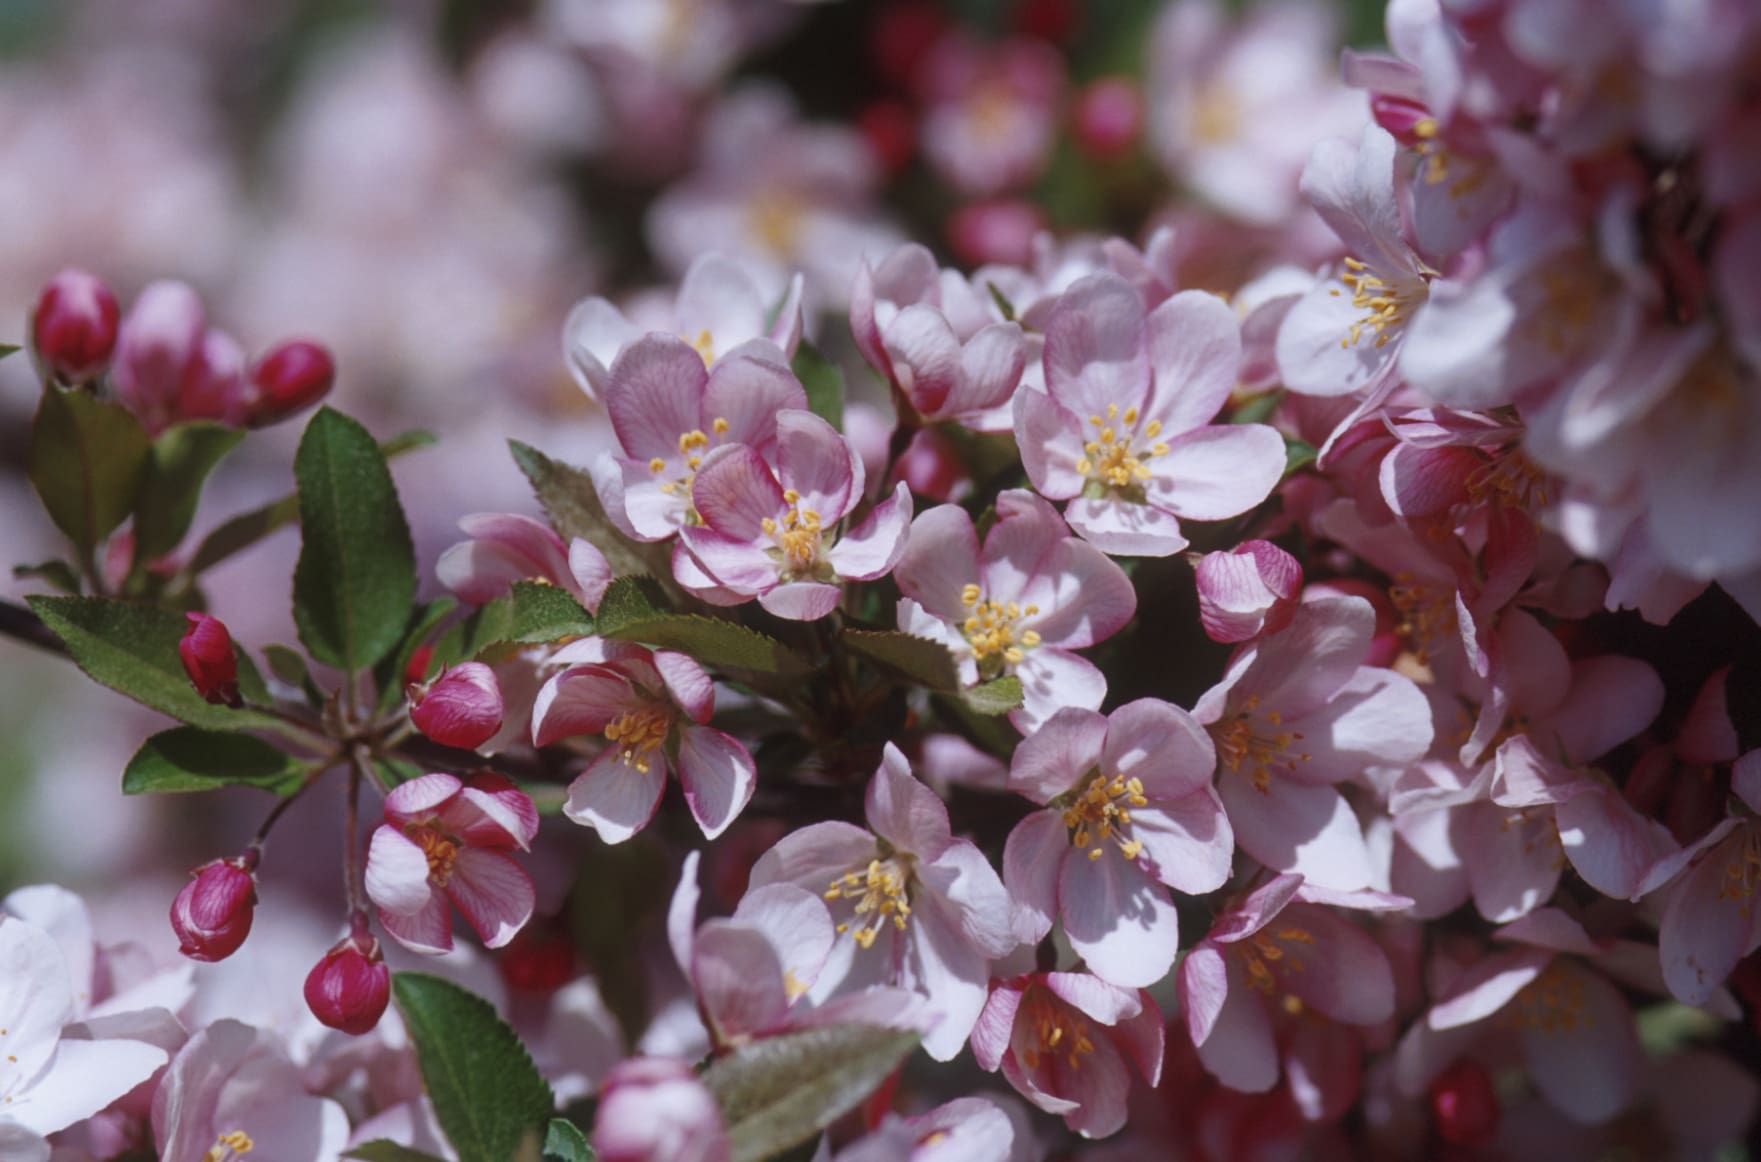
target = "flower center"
x: 1268, y: 952
x: 1240, y: 742
x: 1099, y: 812
x: 441, y: 849
x: 1508, y: 480
x: 1110, y: 458
x: 881, y: 892
x: 1384, y: 306
x: 234, y: 1144
x: 1742, y: 868
x: 1053, y: 1028
x: 774, y: 218
x: 797, y: 537
x: 704, y: 345
x: 692, y: 445
x: 1553, y: 1003
x: 1427, y: 614
x: 638, y: 734
x: 991, y: 630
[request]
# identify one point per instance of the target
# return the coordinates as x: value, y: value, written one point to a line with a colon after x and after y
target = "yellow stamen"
x: 882, y: 893
x: 230, y: 1145
x: 1098, y: 812
x: 638, y: 734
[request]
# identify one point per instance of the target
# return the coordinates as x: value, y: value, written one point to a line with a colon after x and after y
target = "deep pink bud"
x: 212, y: 914
x: 159, y: 346
x: 349, y: 989
x: 653, y: 1109
x: 1109, y: 117
x: 206, y: 650
x: 1000, y: 231
x: 74, y: 328
x: 1250, y: 590
x: 289, y: 378
x: 460, y: 708
x: 1464, y: 1104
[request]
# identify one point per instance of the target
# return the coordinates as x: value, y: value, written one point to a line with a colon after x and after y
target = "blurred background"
x: 427, y: 188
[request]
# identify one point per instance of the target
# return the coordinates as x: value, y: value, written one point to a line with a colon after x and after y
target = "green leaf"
x: 290, y: 666
x: 487, y: 1094
x: 181, y: 459
x: 917, y: 660
x: 1003, y: 304
x: 632, y: 611
x: 998, y: 696
x: 87, y: 458
x: 133, y: 650
x: 355, y: 582
x: 1297, y: 455
x: 572, y: 504
x: 187, y: 759
x: 57, y: 573
x: 411, y: 441
x: 388, y: 675
x: 1256, y: 409
x: 8, y: 349
x: 397, y: 771
x: 782, y: 1090
x: 824, y: 383
x: 564, y: 1142
x: 386, y: 1150
x: 529, y: 613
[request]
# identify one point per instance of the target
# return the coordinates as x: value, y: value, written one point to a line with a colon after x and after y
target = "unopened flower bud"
x: 1464, y: 1105
x: 541, y: 959
x: 74, y: 327
x: 1248, y: 591
x: 416, y: 670
x: 206, y: 650
x: 460, y: 708
x: 212, y: 914
x: 159, y: 344
x: 653, y: 1109
x: 288, y: 379
x: 1000, y: 231
x: 1109, y: 117
x: 349, y: 989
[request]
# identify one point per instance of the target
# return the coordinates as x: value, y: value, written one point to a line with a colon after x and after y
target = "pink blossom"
x: 505, y: 547
x: 1247, y: 591
x: 232, y: 1090
x: 1297, y: 713
x: 967, y: 1129
x: 1130, y: 807
x: 653, y: 1109
x: 653, y: 708
x: 1710, y: 920
x: 443, y: 840
x: 926, y: 912
x: 777, y: 537
x: 718, y: 310
x: 1123, y: 430
x: 671, y: 413
x: 991, y: 112
x: 1063, y: 1040
x: 1018, y: 604
x: 171, y: 366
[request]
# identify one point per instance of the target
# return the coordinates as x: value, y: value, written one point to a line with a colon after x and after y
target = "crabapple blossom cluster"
x: 1287, y: 688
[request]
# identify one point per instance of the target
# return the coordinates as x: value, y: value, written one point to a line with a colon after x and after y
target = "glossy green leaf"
x: 905, y: 656
x: 564, y: 1142
x: 355, y: 583
x: 572, y: 504
x: 529, y: 613
x: 388, y: 675
x: 87, y: 459
x: 779, y: 1091
x: 632, y: 610
x: 487, y: 1094
x: 133, y: 650
x: 178, y: 467
x: 289, y: 665
x: 188, y: 759
x: 386, y: 1150
x: 823, y: 381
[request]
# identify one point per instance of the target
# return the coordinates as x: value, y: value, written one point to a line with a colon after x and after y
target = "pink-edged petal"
x: 1323, y: 1069
x: 1188, y: 843
x: 1257, y: 909
x: 736, y: 493
x: 875, y: 546
x: 1119, y: 920
x: 397, y: 873
x: 785, y: 332
x: 1018, y: 549
x: 971, y: 897
x: 652, y: 508
x: 903, y: 811
x: 1034, y: 852
x: 580, y: 700
x: 1094, y: 997
x: 480, y: 571
x: 818, y: 463
x: 748, y: 387
x: 1203, y: 986
x: 1378, y: 718
x: 1589, y: 1067
x: 990, y: 369
x: 1125, y: 528
x: 1513, y: 859
x: 1054, y: 758
x: 717, y: 561
x: 1195, y: 351
x: 493, y: 892
x: 942, y: 964
x: 591, y: 572
x: 1052, y: 680
x: 1314, y: 351
x: 1240, y: 1051
x: 615, y: 799
x: 428, y: 931
x: 1094, y: 352
x: 738, y: 979
x: 652, y: 395
x: 1100, y: 1085
x: 1162, y: 746
x: 420, y: 798
x: 687, y: 683
x: 924, y: 356
x: 1083, y: 597
x: 801, y: 600
x: 939, y: 561
x: 681, y: 913
x: 815, y: 856
x: 1290, y: 827
x: 718, y: 776
x: 1296, y: 670
x: 1217, y: 472
x: 1050, y: 438
x: 607, y: 472
x: 492, y: 811
x: 796, y: 923
x: 1611, y: 700
x: 991, y: 1032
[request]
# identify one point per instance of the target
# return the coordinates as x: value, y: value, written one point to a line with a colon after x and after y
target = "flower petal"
x: 493, y: 892
x: 1032, y: 856
x: 718, y: 776
x: 615, y: 799
x: 1119, y: 921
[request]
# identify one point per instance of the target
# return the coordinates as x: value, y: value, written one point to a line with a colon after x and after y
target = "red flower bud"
x: 206, y: 650
x: 212, y: 914
x: 539, y: 960
x: 417, y: 669
x: 1464, y: 1105
x: 290, y: 378
x: 74, y: 328
x: 350, y: 987
x: 460, y: 708
x: 1109, y: 117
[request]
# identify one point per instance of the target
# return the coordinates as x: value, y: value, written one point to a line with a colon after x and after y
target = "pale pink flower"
x: 1063, y: 1040
x: 1247, y: 591
x: 991, y: 112
x: 445, y: 840
x: 1297, y: 713
x: 1130, y: 808
x: 1124, y: 429
x: 1017, y: 604
x: 506, y: 547
x: 967, y: 1129
x: 1710, y: 920
x: 718, y: 309
x: 925, y: 911
x: 671, y: 413
x: 654, y: 1109
x: 232, y: 1091
x: 651, y: 705
x: 777, y: 536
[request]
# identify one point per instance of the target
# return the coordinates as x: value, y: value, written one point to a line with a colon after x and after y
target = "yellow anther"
x: 881, y: 892
x: 969, y: 595
x: 1111, y: 458
x: 230, y: 1145
x: 1057, y: 1029
x: 638, y: 734
x: 441, y: 849
x: 992, y: 631
x: 704, y: 345
x: 1096, y: 814
x: 1240, y: 742
x: 657, y: 465
x: 1384, y: 306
